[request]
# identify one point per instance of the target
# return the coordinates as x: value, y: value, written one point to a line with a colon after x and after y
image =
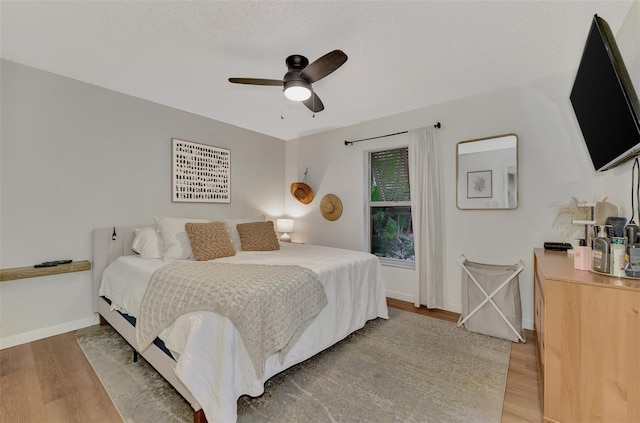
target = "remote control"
x: 52, y: 263
x: 47, y: 264
x: 557, y: 246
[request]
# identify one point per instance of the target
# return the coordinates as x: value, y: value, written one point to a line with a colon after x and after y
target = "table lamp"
x: 285, y: 226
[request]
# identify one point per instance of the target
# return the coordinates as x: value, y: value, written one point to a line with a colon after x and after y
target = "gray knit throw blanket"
x: 270, y: 305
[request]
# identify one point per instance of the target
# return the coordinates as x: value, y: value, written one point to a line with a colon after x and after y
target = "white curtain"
x: 424, y: 179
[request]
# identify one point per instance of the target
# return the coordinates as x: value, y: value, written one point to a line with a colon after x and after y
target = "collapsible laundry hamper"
x: 491, y: 299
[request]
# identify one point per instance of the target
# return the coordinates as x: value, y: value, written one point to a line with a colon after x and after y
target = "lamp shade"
x: 284, y: 225
x: 297, y: 93
x: 297, y: 89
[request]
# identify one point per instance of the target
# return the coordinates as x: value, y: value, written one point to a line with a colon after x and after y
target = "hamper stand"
x: 492, y: 293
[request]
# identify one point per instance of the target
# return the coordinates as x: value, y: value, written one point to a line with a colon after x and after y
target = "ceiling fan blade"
x: 314, y: 103
x: 324, y: 66
x: 256, y: 81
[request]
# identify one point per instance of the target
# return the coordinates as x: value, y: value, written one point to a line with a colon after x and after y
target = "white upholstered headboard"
x: 108, y: 245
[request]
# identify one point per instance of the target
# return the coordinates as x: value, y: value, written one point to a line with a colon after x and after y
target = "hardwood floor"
x: 50, y: 380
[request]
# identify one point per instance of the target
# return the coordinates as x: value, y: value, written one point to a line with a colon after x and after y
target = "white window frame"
x: 368, y: 204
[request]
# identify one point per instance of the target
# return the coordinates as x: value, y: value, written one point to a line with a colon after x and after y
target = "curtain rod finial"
x: 437, y: 125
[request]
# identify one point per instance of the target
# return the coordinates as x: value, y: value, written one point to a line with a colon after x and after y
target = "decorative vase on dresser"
x: 587, y: 342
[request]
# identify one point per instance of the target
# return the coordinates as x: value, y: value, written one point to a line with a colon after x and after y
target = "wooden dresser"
x: 588, y: 342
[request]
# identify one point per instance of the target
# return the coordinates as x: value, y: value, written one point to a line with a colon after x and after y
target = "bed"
x: 351, y: 280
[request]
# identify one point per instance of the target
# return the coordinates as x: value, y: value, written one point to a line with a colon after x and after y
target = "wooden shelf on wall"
x: 32, y: 272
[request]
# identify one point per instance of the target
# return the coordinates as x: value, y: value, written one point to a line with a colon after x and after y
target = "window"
x: 391, y: 230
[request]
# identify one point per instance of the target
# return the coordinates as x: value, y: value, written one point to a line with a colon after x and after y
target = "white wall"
x: 554, y: 166
x: 75, y: 157
x: 627, y: 39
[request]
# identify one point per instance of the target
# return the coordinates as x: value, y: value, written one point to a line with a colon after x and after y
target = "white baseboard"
x: 457, y: 308
x: 23, y: 338
x: 399, y: 296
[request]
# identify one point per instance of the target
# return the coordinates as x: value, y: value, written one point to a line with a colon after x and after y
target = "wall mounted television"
x: 604, y: 100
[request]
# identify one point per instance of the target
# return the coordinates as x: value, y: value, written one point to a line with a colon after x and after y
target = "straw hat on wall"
x: 331, y: 207
x: 302, y: 192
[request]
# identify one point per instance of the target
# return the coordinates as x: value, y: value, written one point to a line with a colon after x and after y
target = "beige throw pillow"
x: 258, y: 236
x: 233, y: 232
x: 209, y: 240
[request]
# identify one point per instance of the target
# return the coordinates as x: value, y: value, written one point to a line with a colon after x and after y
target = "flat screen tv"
x: 604, y: 100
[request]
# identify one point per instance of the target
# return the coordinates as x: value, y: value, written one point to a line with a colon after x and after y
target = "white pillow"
x: 147, y: 243
x: 233, y: 232
x: 174, y: 236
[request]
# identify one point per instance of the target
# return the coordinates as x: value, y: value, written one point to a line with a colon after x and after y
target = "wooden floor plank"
x: 50, y: 380
x: 13, y: 359
x: 13, y: 392
x: 50, y: 376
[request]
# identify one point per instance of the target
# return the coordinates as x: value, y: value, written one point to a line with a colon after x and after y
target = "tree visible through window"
x: 390, y: 205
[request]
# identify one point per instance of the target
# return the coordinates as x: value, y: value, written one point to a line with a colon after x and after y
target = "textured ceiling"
x: 402, y: 55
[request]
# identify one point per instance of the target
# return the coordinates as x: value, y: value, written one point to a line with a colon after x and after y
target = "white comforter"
x: 211, y: 359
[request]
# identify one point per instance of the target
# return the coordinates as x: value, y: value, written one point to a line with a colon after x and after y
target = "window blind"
x: 390, y: 175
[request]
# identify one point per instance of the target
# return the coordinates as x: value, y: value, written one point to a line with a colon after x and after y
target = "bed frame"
x: 108, y: 245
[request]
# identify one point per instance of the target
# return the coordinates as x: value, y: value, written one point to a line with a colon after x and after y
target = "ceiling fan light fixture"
x: 297, y: 90
x: 296, y: 83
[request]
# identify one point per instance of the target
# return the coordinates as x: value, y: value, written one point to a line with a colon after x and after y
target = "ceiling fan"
x: 298, y: 79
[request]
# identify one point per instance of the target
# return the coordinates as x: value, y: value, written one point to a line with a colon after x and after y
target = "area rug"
x: 410, y: 368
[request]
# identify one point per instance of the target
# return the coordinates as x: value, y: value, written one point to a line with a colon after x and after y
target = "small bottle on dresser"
x: 582, y: 256
x: 618, y: 263
x: 600, y: 253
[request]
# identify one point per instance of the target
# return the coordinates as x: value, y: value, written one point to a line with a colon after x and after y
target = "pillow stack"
x: 174, y: 238
x: 147, y: 243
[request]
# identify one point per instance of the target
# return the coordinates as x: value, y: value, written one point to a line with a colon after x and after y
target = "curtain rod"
x: 437, y: 125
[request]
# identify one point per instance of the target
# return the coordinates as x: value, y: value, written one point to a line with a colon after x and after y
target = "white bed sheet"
x: 211, y: 359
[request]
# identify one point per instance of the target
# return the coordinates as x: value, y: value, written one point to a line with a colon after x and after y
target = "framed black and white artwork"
x: 201, y: 173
